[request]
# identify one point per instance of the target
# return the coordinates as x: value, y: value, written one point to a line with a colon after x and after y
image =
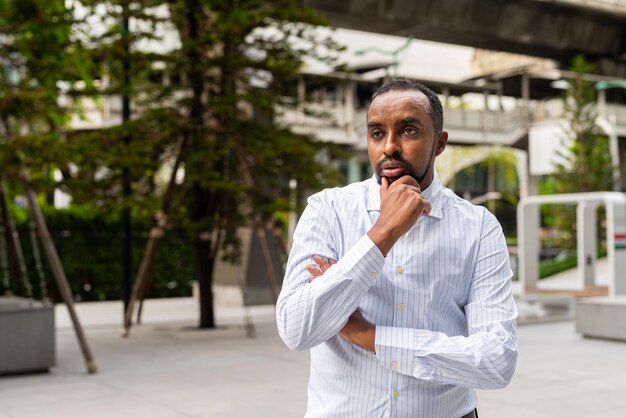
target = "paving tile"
x: 169, y: 369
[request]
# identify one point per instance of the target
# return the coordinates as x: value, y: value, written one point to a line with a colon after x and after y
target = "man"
x: 400, y: 289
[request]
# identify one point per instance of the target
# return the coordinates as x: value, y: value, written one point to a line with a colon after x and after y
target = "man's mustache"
x: 397, y: 159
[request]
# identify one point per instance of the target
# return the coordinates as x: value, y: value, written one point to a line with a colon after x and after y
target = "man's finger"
x: 384, y: 186
x: 321, y: 262
x: 332, y: 261
x: 427, y: 208
x: 409, y: 181
x: 314, y: 271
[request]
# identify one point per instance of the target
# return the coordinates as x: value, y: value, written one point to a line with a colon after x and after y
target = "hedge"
x: 89, y: 244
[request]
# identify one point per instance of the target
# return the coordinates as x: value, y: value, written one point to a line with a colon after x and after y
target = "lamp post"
x: 394, y: 54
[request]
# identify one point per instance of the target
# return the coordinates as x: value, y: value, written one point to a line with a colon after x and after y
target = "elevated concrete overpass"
x: 557, y: 29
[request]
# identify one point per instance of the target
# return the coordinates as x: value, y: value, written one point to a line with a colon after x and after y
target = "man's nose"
x: 391, y: 145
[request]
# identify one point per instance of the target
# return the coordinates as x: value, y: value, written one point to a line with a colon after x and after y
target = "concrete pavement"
x: 170, y: 369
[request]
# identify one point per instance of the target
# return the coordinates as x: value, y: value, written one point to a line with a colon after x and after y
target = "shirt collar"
x: 432, y: 193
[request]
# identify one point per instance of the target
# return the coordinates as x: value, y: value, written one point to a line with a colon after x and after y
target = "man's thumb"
x: 384, y: 186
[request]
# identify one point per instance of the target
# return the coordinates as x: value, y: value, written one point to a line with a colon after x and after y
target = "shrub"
x: 89, y: 243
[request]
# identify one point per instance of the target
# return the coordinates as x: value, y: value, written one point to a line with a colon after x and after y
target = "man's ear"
x: 442, y: 141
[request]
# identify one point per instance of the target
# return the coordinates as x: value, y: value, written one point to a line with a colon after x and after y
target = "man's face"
x: 400, y: 137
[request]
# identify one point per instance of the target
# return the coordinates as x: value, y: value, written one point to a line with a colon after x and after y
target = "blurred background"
x: 161, y: 151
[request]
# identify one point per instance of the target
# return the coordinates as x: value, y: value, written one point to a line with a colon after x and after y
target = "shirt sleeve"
x: 307, y: 314
x: 486, y: 357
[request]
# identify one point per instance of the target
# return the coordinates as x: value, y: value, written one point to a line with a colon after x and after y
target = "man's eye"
x: 410, y: 131
x: 376, y: 134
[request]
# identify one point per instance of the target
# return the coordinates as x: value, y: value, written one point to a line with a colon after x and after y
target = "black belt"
x: 471, y: 414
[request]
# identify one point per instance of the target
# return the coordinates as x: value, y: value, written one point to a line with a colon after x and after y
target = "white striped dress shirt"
x: 441, y: 302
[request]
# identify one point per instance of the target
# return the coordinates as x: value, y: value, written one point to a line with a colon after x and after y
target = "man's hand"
x: 357, y: 330
x: 322, y: 264
x: 401, y: 203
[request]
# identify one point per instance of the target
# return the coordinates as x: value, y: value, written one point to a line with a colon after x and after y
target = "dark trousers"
x: 471, y: 414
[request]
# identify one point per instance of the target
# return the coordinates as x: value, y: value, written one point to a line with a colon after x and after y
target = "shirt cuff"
x: 394, y: 348
x: 363, y: 263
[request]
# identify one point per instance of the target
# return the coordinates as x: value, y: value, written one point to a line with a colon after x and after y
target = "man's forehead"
x: 396, y: 98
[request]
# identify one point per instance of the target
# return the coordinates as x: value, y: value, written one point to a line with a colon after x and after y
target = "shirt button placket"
x: 401, y: 306
x: 397, y: 274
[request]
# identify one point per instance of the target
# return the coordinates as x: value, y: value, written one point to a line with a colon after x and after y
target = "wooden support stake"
x: 14, y: 249
x: 156, y: 233
x: 58, y: 272
x: 267, y: 260
x: 142, y: 292
x: 258, y: 225
x: 247, y: 317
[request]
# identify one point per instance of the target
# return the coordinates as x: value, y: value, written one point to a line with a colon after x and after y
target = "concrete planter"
x: 602, y: 317
x: 27, y: 339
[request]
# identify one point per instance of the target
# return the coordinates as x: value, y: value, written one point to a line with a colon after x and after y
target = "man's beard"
x: 408, y: 169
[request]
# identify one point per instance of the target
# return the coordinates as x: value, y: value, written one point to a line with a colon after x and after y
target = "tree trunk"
x: 205, y: 261
x: 199, y: 208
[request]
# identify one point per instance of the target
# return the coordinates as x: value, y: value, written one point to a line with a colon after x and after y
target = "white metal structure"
x: 587, y: 203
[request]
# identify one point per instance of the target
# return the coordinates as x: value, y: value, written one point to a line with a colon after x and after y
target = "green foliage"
x: 230, y: 68
x: 551, y: 267
x: 133, y: 151
x: 586, y: 166
x: 36, y: 48
x: 237, y: 67
x: 88, y: 241
x: 218, y: 88
x: 497, y: 172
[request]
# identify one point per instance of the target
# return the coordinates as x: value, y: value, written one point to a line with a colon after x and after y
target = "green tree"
x: 38, y: 56
x: 586, y: 165
x: 125, y: 153
x: 236, y: 63
x: 238, y: 58
x: 39, y: 60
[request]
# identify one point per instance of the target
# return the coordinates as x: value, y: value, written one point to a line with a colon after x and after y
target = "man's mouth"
x: 393, y: 169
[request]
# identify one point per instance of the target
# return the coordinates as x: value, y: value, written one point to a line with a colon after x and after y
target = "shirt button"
x: 394, y: 364
x: 400, y: 270
x: 374, y: 275
x: 395, y: 393
x: 401, y: 306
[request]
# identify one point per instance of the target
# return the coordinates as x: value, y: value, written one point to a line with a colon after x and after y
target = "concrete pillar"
x: 587, y: 242
x: 354, y: 170
x: 446, y: 97
x: 601, y: 103
x: 522, y: 172
x: 483, y: 115
x: 528, y: 221
x: 349, y: 101
x: 301, y: 92
x: 525, y: 94
x: 616, y: 245
x: 293, y: 216
x: 528, y: 245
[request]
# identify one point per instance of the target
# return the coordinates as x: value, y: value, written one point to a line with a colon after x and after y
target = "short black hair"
x: 436, y: 113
